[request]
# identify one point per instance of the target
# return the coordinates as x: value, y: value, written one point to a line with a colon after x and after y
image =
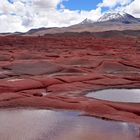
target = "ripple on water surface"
x: 21, y: 124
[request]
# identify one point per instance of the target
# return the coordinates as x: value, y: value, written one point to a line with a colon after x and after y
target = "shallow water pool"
x: 21, y: 124
x: 117, y: 95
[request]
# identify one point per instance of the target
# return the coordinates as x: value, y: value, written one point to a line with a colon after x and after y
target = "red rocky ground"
x: 56, y: 72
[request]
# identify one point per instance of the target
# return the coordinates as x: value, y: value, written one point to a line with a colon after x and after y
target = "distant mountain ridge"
x: 121, y: 17
x: 119, y: 21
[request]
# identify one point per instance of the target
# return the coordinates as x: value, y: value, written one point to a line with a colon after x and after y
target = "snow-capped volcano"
x: 118, y: 17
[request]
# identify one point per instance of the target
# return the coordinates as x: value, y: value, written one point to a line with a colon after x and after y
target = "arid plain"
x: 57, y: 71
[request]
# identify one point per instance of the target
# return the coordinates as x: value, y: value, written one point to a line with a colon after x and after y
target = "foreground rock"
x: 56, y: 72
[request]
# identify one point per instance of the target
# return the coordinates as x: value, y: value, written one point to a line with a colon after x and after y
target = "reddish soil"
x: 56, y: 72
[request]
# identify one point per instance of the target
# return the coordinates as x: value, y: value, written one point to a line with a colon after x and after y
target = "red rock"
x: 64, y: 69
x: 38, y: 68
x: 19, y: 84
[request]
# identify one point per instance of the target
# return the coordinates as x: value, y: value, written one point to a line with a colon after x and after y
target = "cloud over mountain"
x: 22, y: 15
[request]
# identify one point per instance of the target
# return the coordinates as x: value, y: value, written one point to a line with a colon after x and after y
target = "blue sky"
x: 81, y: 4
x: 93, y: 4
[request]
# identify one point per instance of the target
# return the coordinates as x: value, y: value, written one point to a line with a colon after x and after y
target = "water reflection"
x: 117, y: 95
x: 52, y: 125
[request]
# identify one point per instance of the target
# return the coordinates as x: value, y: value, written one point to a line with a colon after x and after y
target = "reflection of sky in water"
x: 120, y: 95
x: 51, y: 125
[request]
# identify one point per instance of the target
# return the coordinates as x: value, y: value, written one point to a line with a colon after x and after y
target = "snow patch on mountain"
x: 118, y: 17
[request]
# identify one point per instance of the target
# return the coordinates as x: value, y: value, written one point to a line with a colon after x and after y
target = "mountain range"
x: 120, y: 17
x: 118, y: 21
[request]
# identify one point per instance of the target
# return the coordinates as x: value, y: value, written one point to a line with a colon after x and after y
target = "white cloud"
x: 113, y: 3
x: 22, y: 15
x: 133, y: 8
x: 5, y: 7
x: 46, y: 4
x: 129, y: 6
x: 10, y: 24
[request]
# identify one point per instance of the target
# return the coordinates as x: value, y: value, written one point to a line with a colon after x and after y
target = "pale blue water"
x: 117, y: 95
x: 21, y: 124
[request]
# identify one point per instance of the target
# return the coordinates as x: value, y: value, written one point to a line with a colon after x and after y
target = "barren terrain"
x: 57, y: 71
